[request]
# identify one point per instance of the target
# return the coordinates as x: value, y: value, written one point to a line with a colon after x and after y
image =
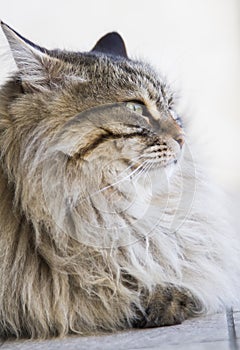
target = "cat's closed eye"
x: 135, y: 106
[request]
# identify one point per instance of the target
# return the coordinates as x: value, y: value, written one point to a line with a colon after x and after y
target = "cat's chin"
x: 166, y: 170
x: 159, y: 177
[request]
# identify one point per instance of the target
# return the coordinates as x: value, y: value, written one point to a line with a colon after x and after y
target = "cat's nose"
x: 180, y: 140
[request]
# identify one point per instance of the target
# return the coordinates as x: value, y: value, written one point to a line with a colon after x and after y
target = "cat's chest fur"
x: 120, y: 205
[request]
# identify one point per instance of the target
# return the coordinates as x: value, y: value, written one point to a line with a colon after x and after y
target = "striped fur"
x: 100, y: 207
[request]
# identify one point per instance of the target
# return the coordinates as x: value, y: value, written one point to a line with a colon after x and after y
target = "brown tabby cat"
x: 105, y: 221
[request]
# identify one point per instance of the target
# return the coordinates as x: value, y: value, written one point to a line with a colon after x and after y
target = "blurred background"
x: 195, y: 44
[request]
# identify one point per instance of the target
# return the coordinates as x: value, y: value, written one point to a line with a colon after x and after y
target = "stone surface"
x: 219, y: 331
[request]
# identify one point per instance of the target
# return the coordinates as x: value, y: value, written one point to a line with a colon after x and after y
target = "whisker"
x: 145, y: 169
x: 140, y: 173
x: 131, y: 164
x: 117, y: 182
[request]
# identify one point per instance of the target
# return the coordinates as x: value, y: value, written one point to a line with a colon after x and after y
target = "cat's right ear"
x: 111, y: 44
x: 32, y: 61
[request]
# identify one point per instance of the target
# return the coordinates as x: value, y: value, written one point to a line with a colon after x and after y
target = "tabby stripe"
x: 103, y: 138
x: 98, y: 215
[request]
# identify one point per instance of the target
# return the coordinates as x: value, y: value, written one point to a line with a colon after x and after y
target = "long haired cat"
x: 106, y: 220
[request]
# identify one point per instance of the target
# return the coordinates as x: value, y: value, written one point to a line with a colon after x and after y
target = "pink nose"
x: 180, y: 140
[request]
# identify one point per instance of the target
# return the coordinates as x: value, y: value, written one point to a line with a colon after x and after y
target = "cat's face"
x: 97, y: 107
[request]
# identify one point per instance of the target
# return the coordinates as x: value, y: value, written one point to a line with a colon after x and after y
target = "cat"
x: 107, y: 222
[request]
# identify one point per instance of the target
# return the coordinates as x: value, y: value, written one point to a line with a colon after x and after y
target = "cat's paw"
x: 167, y: 306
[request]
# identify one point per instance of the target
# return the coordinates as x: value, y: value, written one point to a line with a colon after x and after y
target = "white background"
x: 195, y: 43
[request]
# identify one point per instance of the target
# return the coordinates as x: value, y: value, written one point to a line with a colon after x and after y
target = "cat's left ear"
x: 33, y: 62
x: 111, y: 44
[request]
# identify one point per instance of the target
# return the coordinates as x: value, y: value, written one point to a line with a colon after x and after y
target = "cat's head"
x: 100, y: 112
x: 60, y: 84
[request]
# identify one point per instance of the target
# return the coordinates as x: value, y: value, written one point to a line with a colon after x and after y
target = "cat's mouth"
x: 153, y: 163
x: 159, y: 156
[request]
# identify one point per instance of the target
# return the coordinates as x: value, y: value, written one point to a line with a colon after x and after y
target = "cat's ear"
x: 111, y: 44
x: 32, y: 61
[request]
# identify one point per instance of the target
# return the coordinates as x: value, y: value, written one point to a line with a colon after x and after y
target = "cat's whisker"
x: 142, y: 171
x: 147, y: 165
x: 117, y: 182
x: 132, y: 162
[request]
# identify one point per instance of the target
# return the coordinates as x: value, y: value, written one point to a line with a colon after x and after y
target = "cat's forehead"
x: 102, y: 61
x: 105, y: 71
x: 123, y: 71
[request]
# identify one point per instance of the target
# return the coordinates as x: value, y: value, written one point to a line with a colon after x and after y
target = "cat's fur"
x: 89, y: 242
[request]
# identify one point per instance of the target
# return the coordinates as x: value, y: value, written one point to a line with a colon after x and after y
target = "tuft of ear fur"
x: 111, y: 44
x: 34, y: 62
